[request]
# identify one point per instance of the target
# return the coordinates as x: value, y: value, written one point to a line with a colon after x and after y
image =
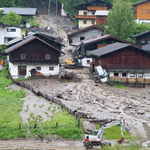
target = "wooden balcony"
x: 112, y: 67
x: 35, y: 61
x: 97, y: 8
x: 85, y: 16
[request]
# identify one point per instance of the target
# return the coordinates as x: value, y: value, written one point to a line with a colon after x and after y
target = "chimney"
x: 26, y: 33
x: 22, y: 37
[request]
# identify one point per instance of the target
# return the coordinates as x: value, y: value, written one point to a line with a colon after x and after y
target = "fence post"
x: 19, y: 126
x: 35, y: 126
x: 56, y: 124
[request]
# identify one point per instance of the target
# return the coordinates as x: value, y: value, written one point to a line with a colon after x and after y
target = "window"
x: 51, y: 68
x: 124, y: 74
x: 93, y: 5
x: 101, y: 17
x: 148, y: 40
x: 116, y: 74
x: 92, y: 13
x: 84, y: 13
x: 38, y: 68
x: 11, y: 30
x: 97, y: 4
x: 23, y: 56
x: 9, y: 39
x: 84, y: 21
x: 132, y: 74
x: 140, y: 75
x: 88, y: 61
x: 82, y: 38
x: 47, y: 56
x: 92, y: 21
x: 101, y: 5
x: 142, y: 41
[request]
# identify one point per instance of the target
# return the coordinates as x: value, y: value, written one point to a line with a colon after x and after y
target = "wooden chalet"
x: 142, y: 11
x: 85, y: 33
x: 86, y: 15
x: 33, y: 53
x: 142, y: 38
x: 124, y: 61
x: 99, y: 41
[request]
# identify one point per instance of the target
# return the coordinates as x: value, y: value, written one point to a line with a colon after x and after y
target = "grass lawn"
x: 10, y: 106
x: 67, y: 126
x: 118, y: 86
x: 114, y: 133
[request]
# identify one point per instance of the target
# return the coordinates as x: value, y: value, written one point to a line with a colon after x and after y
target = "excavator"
x: 78, y: 54
x: 96, y: 138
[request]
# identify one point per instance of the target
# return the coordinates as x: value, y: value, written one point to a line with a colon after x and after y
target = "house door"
x: 21, y: 70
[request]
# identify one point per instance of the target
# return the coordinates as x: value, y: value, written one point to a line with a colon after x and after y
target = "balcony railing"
x: 96, y: 8
x: 127, y: 67
x: 36, y: 61
x: 85, y: 16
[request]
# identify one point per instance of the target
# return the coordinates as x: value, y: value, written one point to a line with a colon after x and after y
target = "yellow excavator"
x: 78, y: 54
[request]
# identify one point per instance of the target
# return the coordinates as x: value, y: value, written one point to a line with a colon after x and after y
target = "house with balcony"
x: 124, y: 62
x: 86, y: 13
x: 33, y: 53
x: 8, y: 33
x: 142, y: 11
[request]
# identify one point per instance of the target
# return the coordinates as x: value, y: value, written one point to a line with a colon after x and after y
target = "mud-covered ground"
x: 101, y: 101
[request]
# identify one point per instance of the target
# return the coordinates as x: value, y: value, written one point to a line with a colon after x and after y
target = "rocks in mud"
x: 144, y: 95
x: 140, y: 112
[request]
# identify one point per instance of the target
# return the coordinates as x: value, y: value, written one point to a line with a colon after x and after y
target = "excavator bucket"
x: 120, y: 141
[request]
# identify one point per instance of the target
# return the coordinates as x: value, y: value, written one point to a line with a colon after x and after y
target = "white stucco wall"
x: 12, y: 34
x: 44, y: 69
x: 1, y: 35
x: 84, y: 62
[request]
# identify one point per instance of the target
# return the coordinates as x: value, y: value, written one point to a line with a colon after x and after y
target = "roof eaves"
x: 139, y: 2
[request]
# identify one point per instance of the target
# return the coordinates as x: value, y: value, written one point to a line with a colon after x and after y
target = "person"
x: 2, y: 63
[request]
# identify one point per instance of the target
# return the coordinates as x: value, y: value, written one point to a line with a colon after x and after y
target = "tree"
x: 121, y: 21
x: 11, y: 19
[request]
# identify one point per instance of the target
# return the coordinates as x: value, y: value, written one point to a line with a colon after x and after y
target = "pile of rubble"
x: 72, y: 76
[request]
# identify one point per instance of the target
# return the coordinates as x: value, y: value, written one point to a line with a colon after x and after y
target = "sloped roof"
x: 23, y: 42
x: 5, y: 25
x: 101, y: 12
x: 110, y: 48
x: 100, y: 38
x: 21, y: 11
x: 139, y: 2
x: 146, y: 47
x: 92, y: 2
x: 85, y: 29
x: 31, y: 34
x: 141, y: 34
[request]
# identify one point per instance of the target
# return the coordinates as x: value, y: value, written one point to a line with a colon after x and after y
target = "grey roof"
x: 101, y: 12
x: 110, y: 48
x: 139, y: 2
x: 21, y: 11
x: 23, y: 42
x: 19, y: 39
x: 141, y: 33
x: 98, y: 37
x: 146, y: 47
x: 30, y: 34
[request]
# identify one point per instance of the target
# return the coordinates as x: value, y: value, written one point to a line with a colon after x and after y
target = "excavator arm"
x: 111, y: 124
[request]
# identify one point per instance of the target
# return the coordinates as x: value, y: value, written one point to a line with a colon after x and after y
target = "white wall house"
x: 8, y: 33
x: 35, y: 54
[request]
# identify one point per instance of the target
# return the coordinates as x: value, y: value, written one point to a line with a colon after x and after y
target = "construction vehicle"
x: 96, y: 138
x: 78, y: 54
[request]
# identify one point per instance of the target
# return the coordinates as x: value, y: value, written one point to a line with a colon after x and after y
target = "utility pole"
x: 48, y: 26
x: 57, y: 17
